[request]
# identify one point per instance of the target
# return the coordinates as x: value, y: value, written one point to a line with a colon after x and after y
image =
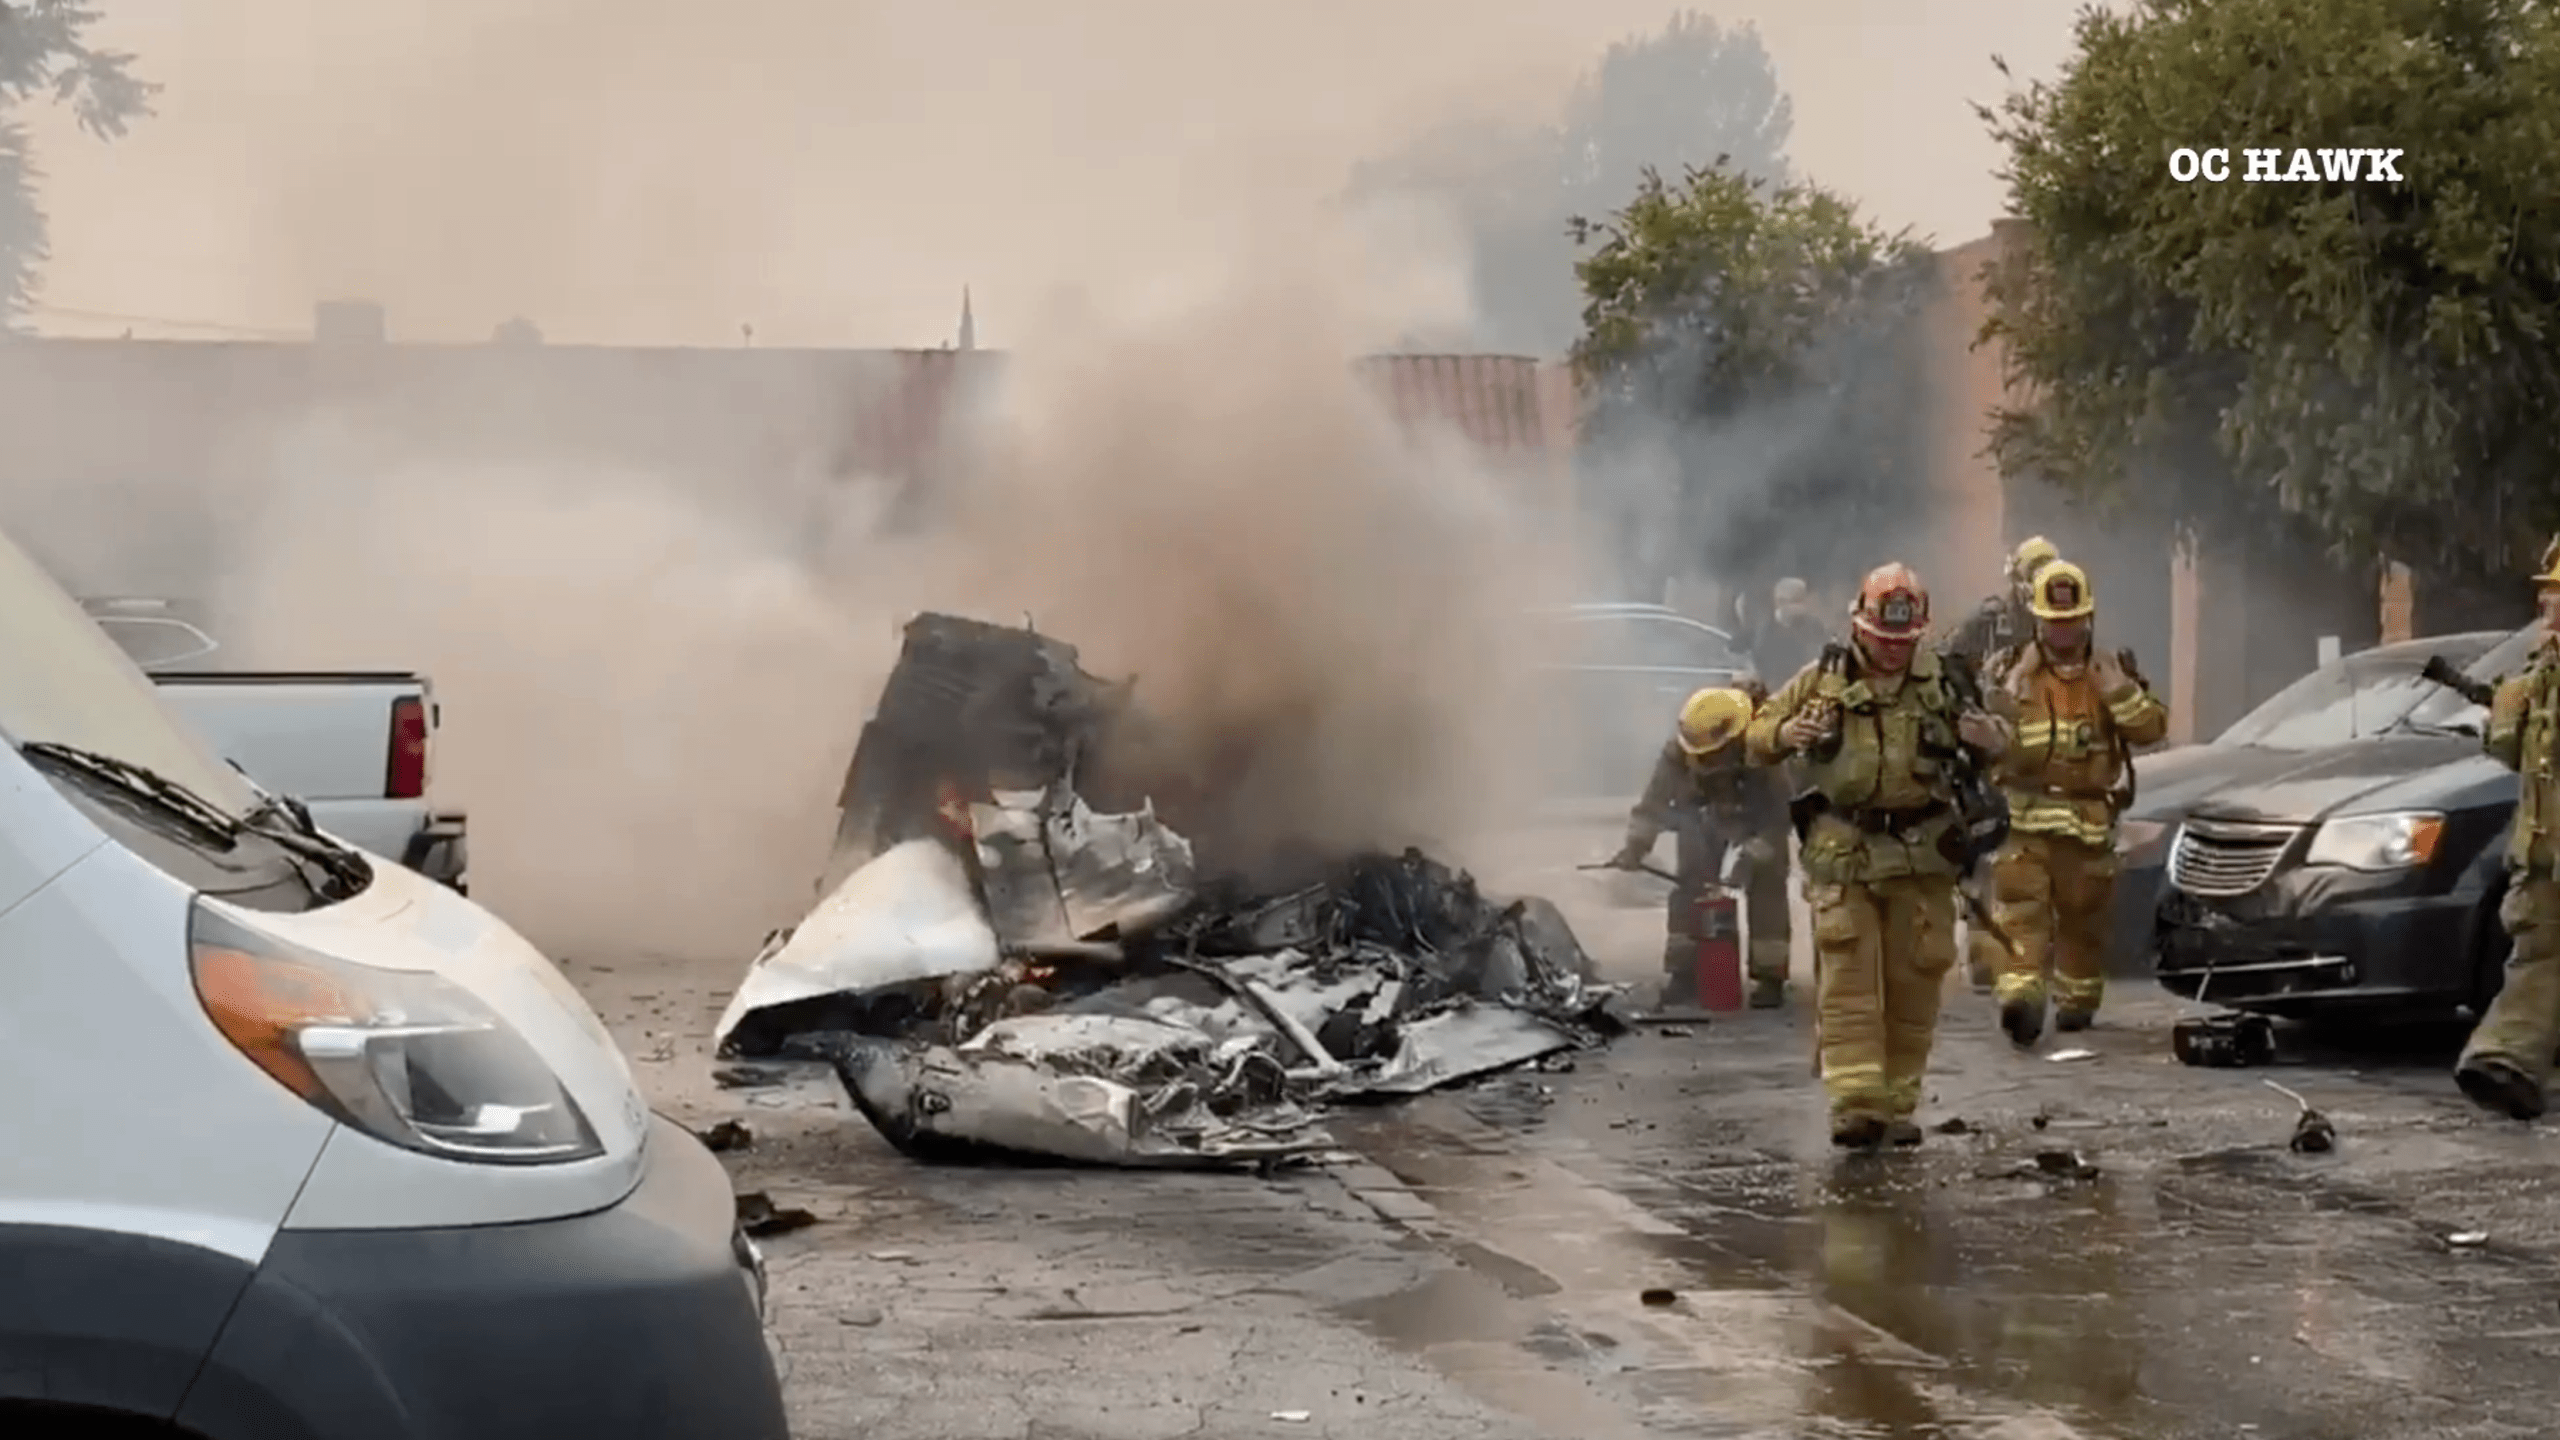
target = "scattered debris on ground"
x: 1001, y: 972
x: 1956, y: 1125
x: 2312, y: 1132
x: 2467, y: 1239
x: 1659, y: 1296
x: 2065, y: 1163
x: 2047, y: 1165
x: 760, y: 1217
x: 2073, y: 1054
x: 726, y: 1136
x: 750, y: 1077
x: 2227, y: 1040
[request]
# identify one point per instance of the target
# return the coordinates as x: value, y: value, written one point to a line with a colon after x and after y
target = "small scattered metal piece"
x: 2313, y: 1134
x: 760, y: 1217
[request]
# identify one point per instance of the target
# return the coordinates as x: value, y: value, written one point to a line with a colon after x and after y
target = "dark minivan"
x: 2346, y: 699
x: 2360, y: 878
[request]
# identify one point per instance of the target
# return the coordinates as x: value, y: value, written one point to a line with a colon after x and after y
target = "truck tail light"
x: 408, y: 777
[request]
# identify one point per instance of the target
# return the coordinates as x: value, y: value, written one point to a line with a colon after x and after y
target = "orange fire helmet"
x: 1892, y: 604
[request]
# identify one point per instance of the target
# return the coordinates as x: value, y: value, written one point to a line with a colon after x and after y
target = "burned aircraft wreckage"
x: 1000, y: 970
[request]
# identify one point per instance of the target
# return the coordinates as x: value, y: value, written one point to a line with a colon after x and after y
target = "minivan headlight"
x: 405, y: 1056
x: 2400, y: 840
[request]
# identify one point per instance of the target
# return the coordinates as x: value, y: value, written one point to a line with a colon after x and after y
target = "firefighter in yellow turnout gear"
x: 1872, y: 725
x: 1705, y: 792
x: 2507, y: 1063
x: 2076, y: 716
x: 2005, y: 621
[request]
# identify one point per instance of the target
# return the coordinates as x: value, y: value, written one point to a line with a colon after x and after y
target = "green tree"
x: 1685, y: 95
x: 1751, y: 351
x: 2368, y: 362
x: 45, y: 54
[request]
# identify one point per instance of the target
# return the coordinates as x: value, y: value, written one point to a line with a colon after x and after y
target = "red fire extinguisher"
x: 1719, y: 958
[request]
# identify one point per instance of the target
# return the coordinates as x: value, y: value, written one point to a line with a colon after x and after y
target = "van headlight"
x: 405, y: 1056
x: 2399, y: 840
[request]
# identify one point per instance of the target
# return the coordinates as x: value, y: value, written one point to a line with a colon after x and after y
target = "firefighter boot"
x: 1859, y: 1132
x: 1768, y: 994
x: 2023, y: 1019
x: 2497, y: 1086
x: 1680, y: 972
x: 1903, y: 1133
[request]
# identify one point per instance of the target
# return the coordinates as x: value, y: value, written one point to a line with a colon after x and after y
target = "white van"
x: 303, y: 1146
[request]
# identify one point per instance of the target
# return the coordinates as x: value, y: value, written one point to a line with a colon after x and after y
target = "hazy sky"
x: 833, y: 171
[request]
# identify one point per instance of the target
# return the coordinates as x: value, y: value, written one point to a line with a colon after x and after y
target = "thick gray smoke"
x: 653, y: 676
x: 1701, y: 468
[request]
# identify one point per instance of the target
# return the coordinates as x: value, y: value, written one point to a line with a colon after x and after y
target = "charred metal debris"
x: 1001, y: 971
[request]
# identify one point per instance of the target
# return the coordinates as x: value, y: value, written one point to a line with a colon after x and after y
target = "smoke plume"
x: 653, y: 675
x: 655, y: 636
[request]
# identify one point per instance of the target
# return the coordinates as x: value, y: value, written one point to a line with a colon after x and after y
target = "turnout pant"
x: 2522, y: 1028
x: 1882, y: 951
x: 1698, y: 861
x: 1984, y: 956
x: 2056, y: 898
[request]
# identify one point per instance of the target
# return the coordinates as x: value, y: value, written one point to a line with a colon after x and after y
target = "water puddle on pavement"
x: 1950, y: 1292
x: 1812, y: 1314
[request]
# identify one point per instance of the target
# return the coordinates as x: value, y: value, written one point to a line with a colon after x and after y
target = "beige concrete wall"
x: 1971, y: 534
x: 98, y: 409
x: 105, y: 408
x: 93, y: 431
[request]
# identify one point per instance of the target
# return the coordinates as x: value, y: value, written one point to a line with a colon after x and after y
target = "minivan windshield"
x: 2361, y: 694
x: 2447, y: 710
x: 63, y: 681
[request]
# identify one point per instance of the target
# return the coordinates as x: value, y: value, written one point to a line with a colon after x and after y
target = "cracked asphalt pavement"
x: 1660, y: 1242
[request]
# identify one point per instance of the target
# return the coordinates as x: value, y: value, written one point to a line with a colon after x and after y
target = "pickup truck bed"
x: 334, y: 739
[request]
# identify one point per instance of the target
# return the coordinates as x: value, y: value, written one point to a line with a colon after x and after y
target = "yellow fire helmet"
x: 2062, y: 593
x: 1712, y: 719
x: 2550, y: 575
x: 2032, y: 555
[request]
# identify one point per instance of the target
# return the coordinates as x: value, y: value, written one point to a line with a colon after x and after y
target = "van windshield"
x: 63, y: 681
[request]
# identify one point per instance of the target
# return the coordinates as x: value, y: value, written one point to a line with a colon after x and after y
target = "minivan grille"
x: 2228, y: 860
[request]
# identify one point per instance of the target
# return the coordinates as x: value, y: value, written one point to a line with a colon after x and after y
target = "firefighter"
x: 1714, y: 802
x: 2002, y: 622
x: 2507, y: 1062
x: 1872, y: 725
x: 1787, y: 638
x: 2076, y: 714
x: 2005, y: 620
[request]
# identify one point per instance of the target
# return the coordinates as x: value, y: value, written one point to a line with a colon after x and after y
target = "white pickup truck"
x: 353, y: 746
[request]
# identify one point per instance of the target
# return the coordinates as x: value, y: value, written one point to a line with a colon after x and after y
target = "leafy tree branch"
x: 1760, y: 340
x: 2369, y: 361
x: 45, y: 55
